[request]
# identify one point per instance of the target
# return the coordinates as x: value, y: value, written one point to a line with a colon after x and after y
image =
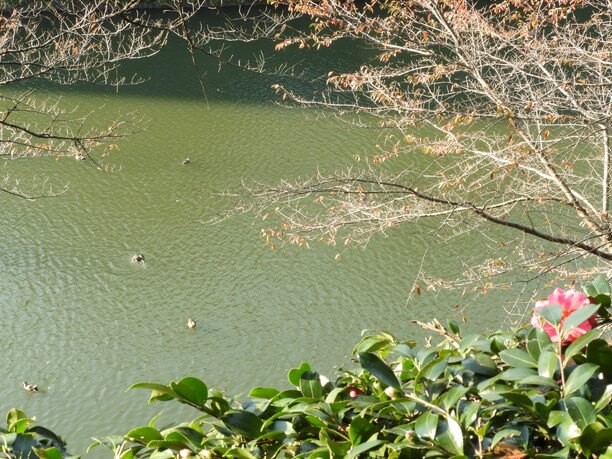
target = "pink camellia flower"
x: 570, y: 301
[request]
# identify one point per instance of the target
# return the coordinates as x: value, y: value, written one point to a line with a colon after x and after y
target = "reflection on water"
x: 83, y: 322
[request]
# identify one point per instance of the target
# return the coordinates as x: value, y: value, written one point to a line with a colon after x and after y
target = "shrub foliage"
x: 506, y: 394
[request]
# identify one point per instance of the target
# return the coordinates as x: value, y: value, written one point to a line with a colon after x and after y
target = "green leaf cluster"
x: 504, y: 394
x: 21, y: 439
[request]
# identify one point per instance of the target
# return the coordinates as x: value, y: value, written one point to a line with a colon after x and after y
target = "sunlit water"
x: 84, y: 323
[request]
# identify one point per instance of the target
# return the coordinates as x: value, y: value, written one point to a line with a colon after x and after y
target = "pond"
x: 83, y: 322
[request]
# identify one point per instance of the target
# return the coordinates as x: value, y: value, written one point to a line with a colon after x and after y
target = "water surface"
x: 84, y: 323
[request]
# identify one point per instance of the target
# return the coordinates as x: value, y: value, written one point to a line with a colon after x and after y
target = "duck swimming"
x: 139, y: 258
x: 191, y: 323
x: 31, y: 388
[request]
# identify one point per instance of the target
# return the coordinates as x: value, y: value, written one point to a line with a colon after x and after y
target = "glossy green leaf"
x: 454, y: 327
x: 599, y: 286
x: 174, y: 435
x: 552, y: 314
x: 316, y: 422
x: 480, y: 364
x: 218, y: 406
x: 296, y: 373
x: 336, y: 448
x: 539, y: 381
x: 516, y: 374
x: 49, y: 436
x: 310, y: 385
x: 578, y: 317
x: 579, y: 377
x: 152, y: 386
x: 580, y: 410
x: 373, y: 343
x: 450, y: 436
x: 433, y: 370
x: 159, y: 392
x: 12, y: 417
x: 518, y: 358
x: 567, y: 431
x: 48, y: 453
x: 285, y: 427
x: 317, y: 453
x: 519, y: 399
x: 190, y: 434
x: 450, y: 398
x: 111, y: 442
x: 402, y: 430
x: 484, y: 344
x: 286, y: 396
x: 154, y: 419
x: 23, y: 444
x: 362, y: 448
x: 157, y: 396
x: 176, y: 445
x: 264, y: 392
x: 143, y: 435
x: 17, y: 421
x: 595, y: 438
x: 335, y: 393
x: 599, y: 352
x: 243, y: 422
x: 426, y: 425
x: 491, y: 388
x: 503, y: 434
x: 602, y: 286
x: 240, y: 453
x: 547, y: 364
x: 468, y: 342
x: 191, y: 390
x: 605, y: 399
x: 542, y: 409
x: 580, y: 343
x: 405, y: 349
x: 21, y: 426
x: 537, y: 342
x: 498, y: 344
x: 604, y: 305
x: 425, y: 356
x: 360, y: 430
x: 556, y: 417
x: 469, y: 413
x: 377, y: 367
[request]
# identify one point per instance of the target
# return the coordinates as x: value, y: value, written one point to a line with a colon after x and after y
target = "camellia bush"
x: 541, y: 391
x: 22, y: 439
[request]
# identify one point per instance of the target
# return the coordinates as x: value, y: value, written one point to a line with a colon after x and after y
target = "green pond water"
x: 84, y: 323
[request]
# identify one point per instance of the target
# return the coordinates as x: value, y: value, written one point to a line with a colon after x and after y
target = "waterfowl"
x: 191, y: 323
x: 186, y: 161
x: 29, y: 387
x: 80, y: 157
x: 139, y: 258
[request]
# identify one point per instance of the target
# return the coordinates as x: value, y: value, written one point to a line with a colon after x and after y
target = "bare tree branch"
x: 494, y: 115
